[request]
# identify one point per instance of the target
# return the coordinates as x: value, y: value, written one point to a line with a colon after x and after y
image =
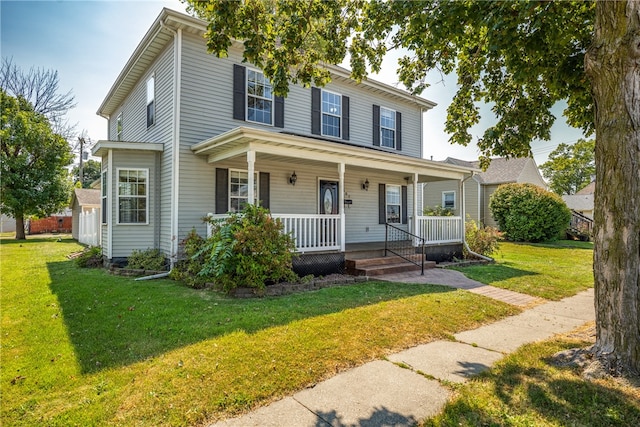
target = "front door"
x: 328, y: 231
x: 329, y: 198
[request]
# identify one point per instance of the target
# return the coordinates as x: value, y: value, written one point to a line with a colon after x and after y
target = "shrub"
x: 187, y: 269
x: 528, y: 213
x: 481, y: 240
x: 149, y: 259
x: 90, y: 258
x: 248, y: 249
x: 437, y: 211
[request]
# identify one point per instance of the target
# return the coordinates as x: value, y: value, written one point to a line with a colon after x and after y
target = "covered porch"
x: 329, y: 195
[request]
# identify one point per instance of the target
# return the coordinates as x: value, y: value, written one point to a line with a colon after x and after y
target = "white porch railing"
x: 440, y: 229
x: 89, y: 228
x: 310, y: 232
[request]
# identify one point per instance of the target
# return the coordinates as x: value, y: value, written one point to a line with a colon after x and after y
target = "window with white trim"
x: 449, y: 199
x: 103, y: 197
x: 151, y: 101
x: 132, y: 196
x: 387, y: 128
x: 259, y: 98
x: 119, y: 127
x: 331, y: 114
x: 239, y: 189
x: 394, y: 204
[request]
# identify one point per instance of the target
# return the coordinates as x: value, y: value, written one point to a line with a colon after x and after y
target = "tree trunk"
x: 20, y: 227
x: 613, y: 66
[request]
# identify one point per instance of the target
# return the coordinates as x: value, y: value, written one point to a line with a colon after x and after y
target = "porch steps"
x: 384, y: 265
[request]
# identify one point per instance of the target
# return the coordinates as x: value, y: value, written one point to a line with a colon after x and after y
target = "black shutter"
x: 398, y: 131
x: 222, y: 191
x: 382, y: 204
x: 316, y: 110
x: 404, y: 204
x: 239, y: 95
x: 376, y: 125
x: 278, y: 113
x: 264, y: 190
x: 345, y: 118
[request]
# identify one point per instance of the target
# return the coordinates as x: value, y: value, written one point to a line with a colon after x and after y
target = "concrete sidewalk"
x: 382, y: 393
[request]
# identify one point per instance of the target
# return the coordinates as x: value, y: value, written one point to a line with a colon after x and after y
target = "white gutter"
x: 175, y: 141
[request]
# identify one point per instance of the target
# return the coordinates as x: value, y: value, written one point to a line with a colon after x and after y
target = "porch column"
x: 251, y: 165
x: 342, y: 215
x: 415, y: 206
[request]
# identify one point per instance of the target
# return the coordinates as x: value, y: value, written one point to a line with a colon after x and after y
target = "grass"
x: 82, y: 347
x: 526, y: 389
x: 551, y: 270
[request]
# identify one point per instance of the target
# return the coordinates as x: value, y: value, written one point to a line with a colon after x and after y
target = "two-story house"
x: 192, y: 134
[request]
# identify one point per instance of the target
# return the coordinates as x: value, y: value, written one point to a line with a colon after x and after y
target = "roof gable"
x: 500, y: 171
x: 87, y: 196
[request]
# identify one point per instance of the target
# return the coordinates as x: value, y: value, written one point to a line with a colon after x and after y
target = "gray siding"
x: 134, y: 108
x: 127, y: 237
x: 433, y: 196
x: 487, y: 191
x: 361, y: 216
x: 207, y: 99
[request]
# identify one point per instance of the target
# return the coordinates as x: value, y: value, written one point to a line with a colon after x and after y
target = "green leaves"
x: 570, y: 167
x: 520, y: 57
x: 33, y: 160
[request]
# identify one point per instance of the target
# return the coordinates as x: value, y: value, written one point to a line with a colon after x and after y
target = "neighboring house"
x: 582, y: 201
x: 479, y: 188
x: 192, y: 134
x: 7, y: 224
x: 83, y: 201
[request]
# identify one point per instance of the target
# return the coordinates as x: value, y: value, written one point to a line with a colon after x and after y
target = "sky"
x: 88, y: 42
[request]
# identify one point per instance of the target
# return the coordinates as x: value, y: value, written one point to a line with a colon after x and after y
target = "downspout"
x: 175, y: 141
x: 463, y: 203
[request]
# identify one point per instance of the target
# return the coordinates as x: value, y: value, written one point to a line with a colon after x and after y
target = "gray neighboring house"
x: 83, y: 200
x: 478, y: 188
x: 7, y: 224
x: 582, y: 201
x: 191, y: 134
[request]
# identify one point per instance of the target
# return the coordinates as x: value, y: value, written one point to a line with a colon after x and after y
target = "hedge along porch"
x: 328, y: 194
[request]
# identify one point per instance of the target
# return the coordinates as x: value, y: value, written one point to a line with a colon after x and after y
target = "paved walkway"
x: 382, y: 393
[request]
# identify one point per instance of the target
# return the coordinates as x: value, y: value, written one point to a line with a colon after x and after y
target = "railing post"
x: 386, y: 237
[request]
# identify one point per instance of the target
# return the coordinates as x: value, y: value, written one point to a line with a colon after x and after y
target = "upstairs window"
x: 387, y: 128
x: 151, y: 103
x: 132, y: 196
x: 331, y: 114
x: 119, y: 127
x: 259, y: 98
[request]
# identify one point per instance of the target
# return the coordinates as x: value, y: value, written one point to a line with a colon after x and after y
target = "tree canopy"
x: 518, y: 57
x: 91, y: 170
x: 570, y: 167
x: 33, y: 160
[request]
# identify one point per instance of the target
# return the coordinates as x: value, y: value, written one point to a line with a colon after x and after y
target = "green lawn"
x: 548, y: 270
x: 82, y: 347
x: 527, y: 389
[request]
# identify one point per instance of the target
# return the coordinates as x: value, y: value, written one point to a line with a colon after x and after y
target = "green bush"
x: 248, y: 249
x: 149, y: 259
x: 528, y: 213
x: 481, y: 240
x: 187, y: 269
x: 437, y: 211
x: 90, y: 258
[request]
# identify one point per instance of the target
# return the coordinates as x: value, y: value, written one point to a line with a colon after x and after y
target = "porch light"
x: 365, y: 185
x: 293, y: 178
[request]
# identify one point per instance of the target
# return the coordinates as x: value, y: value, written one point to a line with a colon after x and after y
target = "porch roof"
x: 239, y: 141
x: 103, y: 146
